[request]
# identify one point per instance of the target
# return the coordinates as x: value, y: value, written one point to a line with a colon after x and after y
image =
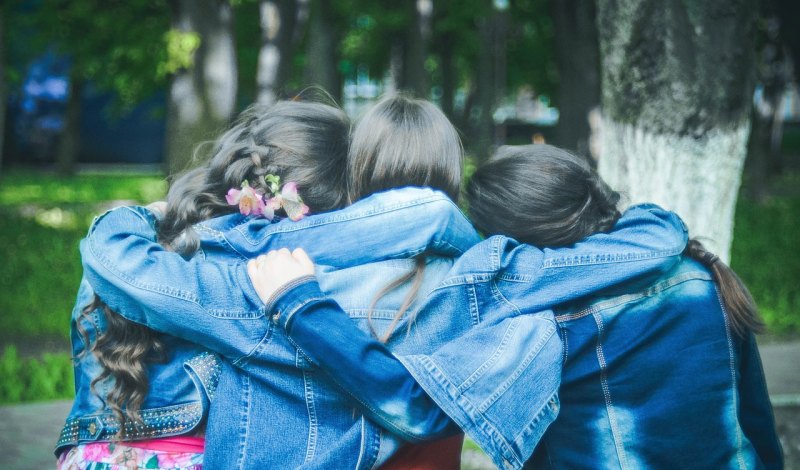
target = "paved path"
x: 28, y: 431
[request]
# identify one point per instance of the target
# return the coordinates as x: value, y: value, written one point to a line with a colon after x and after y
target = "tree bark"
x: 578, y: 61
x: 677, y: 87
x: 447, y: 65
x: 69, y: 142
x: 418, y: 37
x: 321, y: 52
x: 3, y: 93
x: 278, y: 29
x: 202, y: 98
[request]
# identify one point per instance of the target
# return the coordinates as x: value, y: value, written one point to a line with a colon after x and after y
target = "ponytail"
x: 738, y: 303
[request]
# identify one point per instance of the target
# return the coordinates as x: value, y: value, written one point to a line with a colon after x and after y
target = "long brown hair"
x: 739, y: 304
x: 402, y: 141
x: 303, y: 142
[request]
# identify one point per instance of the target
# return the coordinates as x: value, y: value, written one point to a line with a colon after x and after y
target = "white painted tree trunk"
x: 676, y: 96
x: 697, y: 178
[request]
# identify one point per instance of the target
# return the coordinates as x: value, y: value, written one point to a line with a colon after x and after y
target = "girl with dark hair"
x: 190, y: 298
x: 661, y: 371
x: 264, y: 378
x: 141, y: 395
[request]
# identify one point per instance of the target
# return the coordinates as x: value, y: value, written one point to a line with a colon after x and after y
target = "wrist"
x: 292, y: 297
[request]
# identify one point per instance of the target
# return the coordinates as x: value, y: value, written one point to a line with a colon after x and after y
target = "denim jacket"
x: 652, y: 377
x: 266, y: 380
x: 176, y: 402
x: 271, y: 408
x: 506, y: 349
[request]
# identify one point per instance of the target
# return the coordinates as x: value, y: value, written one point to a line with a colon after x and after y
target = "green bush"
x: 765, y: 256
x: 47, y: 378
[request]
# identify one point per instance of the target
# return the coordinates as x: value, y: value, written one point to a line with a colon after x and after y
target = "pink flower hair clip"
x: 253, y: 202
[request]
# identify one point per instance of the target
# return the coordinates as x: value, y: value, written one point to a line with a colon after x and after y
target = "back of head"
x: 542, y: 195
x: 404, y: 142
x: 303, y: 142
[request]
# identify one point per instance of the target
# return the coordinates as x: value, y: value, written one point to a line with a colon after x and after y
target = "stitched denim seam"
x: 537, y: 348
x: 490, y: 361
x: 313, y: 423
x: 484, y: 425
x: 612, y: 418
x: 332, y: 219
x: 628, y: 298
x: 579, y: 260
x: 732, y: 366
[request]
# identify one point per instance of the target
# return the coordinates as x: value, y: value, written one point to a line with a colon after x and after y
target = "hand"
x: 272, y: 271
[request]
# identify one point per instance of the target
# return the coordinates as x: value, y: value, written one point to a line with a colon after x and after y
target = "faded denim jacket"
x: 209, y: 300
x: 653, y: 377
x: 498, y: 374
x: 177, y: 400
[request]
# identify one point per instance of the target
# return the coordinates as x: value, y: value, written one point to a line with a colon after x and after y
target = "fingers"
x: 302, y: 257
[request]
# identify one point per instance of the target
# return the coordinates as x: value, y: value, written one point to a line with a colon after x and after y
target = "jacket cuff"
x: 292, y: 298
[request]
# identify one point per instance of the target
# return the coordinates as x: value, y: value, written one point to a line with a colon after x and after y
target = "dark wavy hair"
x: 548, y: 197
x: 304, y: 142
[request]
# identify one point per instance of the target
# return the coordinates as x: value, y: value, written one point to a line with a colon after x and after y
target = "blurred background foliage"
x: 90, y: 118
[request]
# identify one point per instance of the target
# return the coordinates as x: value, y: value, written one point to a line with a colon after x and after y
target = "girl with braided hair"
x: 141, y: 396
x: 660, y: 371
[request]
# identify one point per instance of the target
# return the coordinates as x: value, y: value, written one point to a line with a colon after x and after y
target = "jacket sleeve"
x: 198, y: 299
x: 755, y: 414
x: 646, y: 242
x: 360, y: 365
x: 400, y: 223
x: 195, y: 300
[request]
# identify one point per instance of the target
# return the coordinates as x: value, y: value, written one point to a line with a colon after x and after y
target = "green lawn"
x: 44, y: 218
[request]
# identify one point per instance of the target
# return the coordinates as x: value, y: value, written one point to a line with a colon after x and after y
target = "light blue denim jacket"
x: 265, y: 380
x: 271, y: 408
x: 498, y: 374
x: 176, y: 402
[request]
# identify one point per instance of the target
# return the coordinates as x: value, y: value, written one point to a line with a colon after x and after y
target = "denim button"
x: 276, y: 317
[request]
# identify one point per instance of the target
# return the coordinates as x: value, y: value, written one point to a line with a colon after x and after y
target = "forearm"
x: 143, y: 282
x: 362, y: 366
x: 399, y: 223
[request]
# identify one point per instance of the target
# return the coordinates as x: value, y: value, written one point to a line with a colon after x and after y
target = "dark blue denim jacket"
x: 266, y: 380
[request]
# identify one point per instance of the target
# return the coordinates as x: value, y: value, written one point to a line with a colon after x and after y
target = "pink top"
x: 191, y: 444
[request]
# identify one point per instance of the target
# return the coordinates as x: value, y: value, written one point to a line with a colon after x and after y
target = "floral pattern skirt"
x: 118, y: 456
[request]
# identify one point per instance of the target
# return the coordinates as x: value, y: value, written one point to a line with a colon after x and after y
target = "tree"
x: 282, y: 25
x: 322, y: 55
x: 578, y: 58
x: 101, y: 51
x: 3, y: 94
x: 202, y: 95
x: 677, y: 87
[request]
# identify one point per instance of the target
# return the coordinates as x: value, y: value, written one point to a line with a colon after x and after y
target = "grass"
x: 44, y: 218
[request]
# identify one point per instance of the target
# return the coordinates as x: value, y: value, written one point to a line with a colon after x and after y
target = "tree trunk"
x: 321, y: 54
x: 578, y: 61
x: 448, y: 74
x: 3, y: 93
x: 485, y: 92
x: 69, y: 142
x: 677, y: 88
x: 202, y: 98
x: 418, y: 36
x: 278, y: 22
